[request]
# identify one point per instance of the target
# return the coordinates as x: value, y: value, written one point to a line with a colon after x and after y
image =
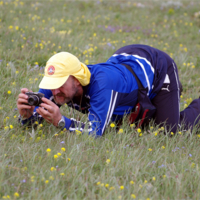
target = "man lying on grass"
x: 138, y: 80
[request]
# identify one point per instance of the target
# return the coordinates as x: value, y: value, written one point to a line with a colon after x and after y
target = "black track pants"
x: 191, y: 115
x: 167, y: 105
x: 167, y: 101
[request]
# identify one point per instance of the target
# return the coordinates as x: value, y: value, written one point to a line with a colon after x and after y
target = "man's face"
x: 66, y: 92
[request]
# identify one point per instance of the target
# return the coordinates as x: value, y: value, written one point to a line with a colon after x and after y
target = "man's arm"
x: 102, y: 105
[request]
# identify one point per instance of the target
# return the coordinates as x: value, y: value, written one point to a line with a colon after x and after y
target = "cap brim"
x: 52, y: 83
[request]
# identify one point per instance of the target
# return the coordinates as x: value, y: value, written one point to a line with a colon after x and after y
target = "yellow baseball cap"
x: 58, y: 69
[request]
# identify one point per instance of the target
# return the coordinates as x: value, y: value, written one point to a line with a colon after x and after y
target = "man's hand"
x: 51, y: 114
x: 25, y: 111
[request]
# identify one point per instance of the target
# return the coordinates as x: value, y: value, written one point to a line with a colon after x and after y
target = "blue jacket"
x: 113, y: 90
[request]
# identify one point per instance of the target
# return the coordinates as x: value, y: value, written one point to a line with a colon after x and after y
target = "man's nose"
x: 55, y: 91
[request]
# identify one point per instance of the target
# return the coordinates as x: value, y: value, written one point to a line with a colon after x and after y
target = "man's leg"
x: 191, y: 115
x: 167, y: 101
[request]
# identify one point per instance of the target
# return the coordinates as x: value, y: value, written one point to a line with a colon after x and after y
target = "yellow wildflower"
x: 98, y: 183
x: 121, y: 187
x: 131, y: 182
x: 106, y: 185
x: 112, y: 125
x: 9, y: 92
x: 154, y: 178
x: 78, y: 132
x: 37, y: 139
x: 63, y: 149
x: 193, y: 165
x: 111, y: 188
x: 47, y: 181
x: 108, y: 161
x: 53, y: 169
x: 41, y: 125
x: 51, y: 178
x: 32, y: 178
x: 11, y: 126
x: 132, y: 125
x: 133, y: 196
x: 16, y: 194
x: 149, y: 149
x: 48, y: 150
x: 62, y: 174
x: 120, y: 131
x: 55, y: 156
x: 162, y: 128
x: 139, y: 130
x: 59, y: 154
x: 68, y: 159
x: 163, y: 147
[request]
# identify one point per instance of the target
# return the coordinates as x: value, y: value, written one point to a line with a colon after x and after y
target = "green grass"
x: 126, y: 165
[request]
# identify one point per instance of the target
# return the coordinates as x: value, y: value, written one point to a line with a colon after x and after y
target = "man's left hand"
x: 52, y: 113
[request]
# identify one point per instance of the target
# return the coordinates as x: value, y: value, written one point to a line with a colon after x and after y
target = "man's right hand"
x: 25, y: 111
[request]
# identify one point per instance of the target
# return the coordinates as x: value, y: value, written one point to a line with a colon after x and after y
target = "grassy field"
x: 48, y: 164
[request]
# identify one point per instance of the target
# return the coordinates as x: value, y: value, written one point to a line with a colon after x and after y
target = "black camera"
x: 34, y: 98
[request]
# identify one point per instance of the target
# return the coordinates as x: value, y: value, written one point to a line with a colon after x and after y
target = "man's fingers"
x: 23, y: 106
x: 46, y: 115
x: 47, y: 101
x: 23, y: 96
x: 24, y: 90
x: 43, y: 112
x: 48, y: 107
x: 22, y: 101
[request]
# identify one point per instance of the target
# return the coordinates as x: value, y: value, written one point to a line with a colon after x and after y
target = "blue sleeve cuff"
x: 67, y: 123
x: 25, y: 120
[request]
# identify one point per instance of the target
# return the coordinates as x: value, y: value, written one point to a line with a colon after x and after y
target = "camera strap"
x: 144, y: 109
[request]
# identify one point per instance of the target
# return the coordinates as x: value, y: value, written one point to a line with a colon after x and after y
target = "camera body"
x: 34, y: 98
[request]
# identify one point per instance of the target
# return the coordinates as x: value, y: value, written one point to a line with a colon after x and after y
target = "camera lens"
x: 33, y: 100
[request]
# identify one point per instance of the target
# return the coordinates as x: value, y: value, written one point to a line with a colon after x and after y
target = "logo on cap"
x: 51, y: 70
